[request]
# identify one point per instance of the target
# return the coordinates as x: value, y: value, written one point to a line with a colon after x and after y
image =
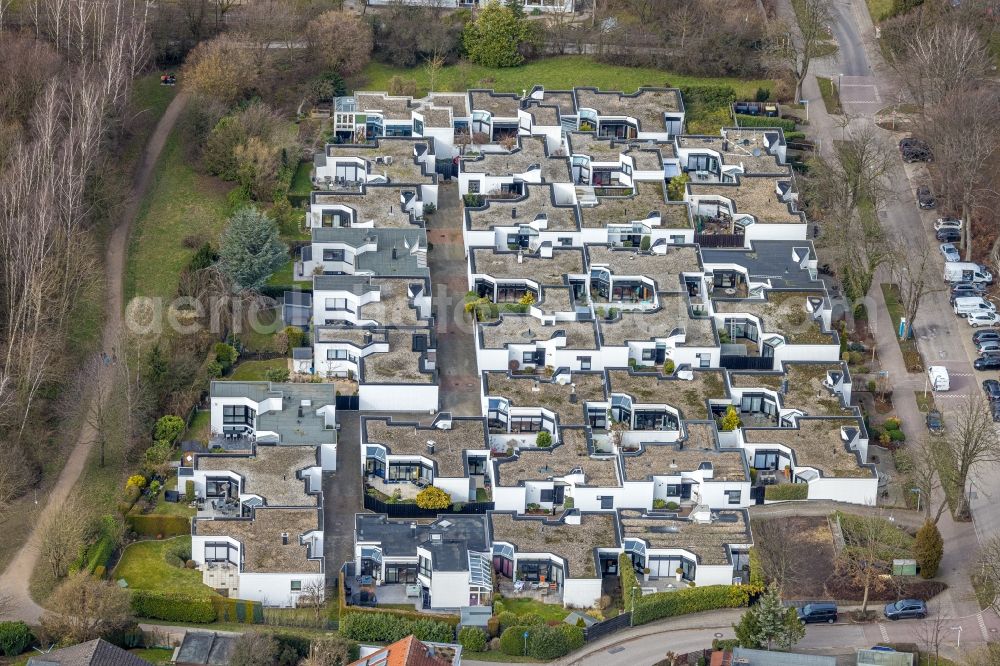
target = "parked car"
x: 906, y: 608
x: 935, y: 425
x: 987, y: 362
x: 915, y: 150
x: 991, y: 388
x: 818, y: 612
x: 983, y: 336
x: 948, y: 235
x: 977, y: 319
x: 988, y: 347
x: 925, y: 199
x: 964, y: 289
x: 948, y: 223
x: 950, y: 252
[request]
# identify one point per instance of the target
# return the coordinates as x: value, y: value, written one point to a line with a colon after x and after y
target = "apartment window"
x: 584, y: 362
x: 473, y: 187
x: 424, y: 567
x: 548, y: 495
x: 703, y: 163
x: 220, y: 551
x: 704, y: 360
x: 565, y: 242
x: 237, y: 415
x: 333, y: 255
x: 673, y: 490
x: 648, y: 354
x: 525, y: 423
x: 339, y: 355
x: 734, y: 496
x: 607, y: 502
x: 296, y: 586
x: 336, y: 304
x: 528, y: 357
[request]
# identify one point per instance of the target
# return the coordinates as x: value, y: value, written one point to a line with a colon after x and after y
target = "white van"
x: 937, y: 376
x: 966, y: 271
x: 967, y: 305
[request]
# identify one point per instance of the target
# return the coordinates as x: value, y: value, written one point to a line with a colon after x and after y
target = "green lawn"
x: 831, y: 96
x: 879, y: 9
x: 253, y: 371
x: 155, y: 655
x: 525, y: 606
x: 911, y: 355
x: 556, y: 73
x: 201, y: 426
x: 144, y: 567
x: 182, y: 204
x: 164, y: 507
x: 925, y: 401
x: 302, y: 180
x: 284, y: 277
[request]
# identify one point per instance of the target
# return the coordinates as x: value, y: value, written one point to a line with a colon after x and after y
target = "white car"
x: 950, y: 252
x: 977, y: 319
x: 947, y: 223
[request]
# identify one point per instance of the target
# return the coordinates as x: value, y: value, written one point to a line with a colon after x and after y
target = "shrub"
x: 237, y: 610
x: 756, y: 568
x: 896, y: 435
x: 276, y: 375
x: 659, y: 504
x: 645, y: 243
x: 544, y: 439
x: 892, y: 423
x: 213, y: 369
x: 99, y: 554
x: 628, y: 579
x: 494, y: 644
x: 493, y: 627
x: 786, y: 124
x: 472, y: 639
x: 389, y: 627
x: 189, y: 494
x: 225, y: 355
x: 787, y: 491
x: 673, y: 506
x: 689, y: 600
x: 731, y: 421
x: 554, y: 642
x: 155, y: 524
x: 506, y: 620
x: 433, y: 497
x: 668, y: 367
x: 512, y: 641
x: 928, y: 549
x: 15, y: 638
x: 172, y: 607
x: 168, y: 428
x: 296, y: 336
x: 136, y: 481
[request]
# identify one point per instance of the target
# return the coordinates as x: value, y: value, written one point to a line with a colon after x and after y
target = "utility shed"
x: 880, y: 658
x: 744, y: 657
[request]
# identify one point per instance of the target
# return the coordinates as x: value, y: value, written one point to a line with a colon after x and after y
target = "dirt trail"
x: 14, y: 581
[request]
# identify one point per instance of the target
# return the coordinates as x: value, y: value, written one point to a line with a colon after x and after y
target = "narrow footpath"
x: 14, y: 580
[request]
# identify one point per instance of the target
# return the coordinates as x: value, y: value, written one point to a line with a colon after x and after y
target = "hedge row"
x: 387, y: 627
x: 756, y: 568
x: 690, y: 600
x: 158, y: 525
x: 238, y: 610
x: 543, y: 642
x: 787, y: 491
x: 626, y: 574
x: 172, y: 607
x: 15, y: 638
x: 765, y: 121
x: 99, y: 554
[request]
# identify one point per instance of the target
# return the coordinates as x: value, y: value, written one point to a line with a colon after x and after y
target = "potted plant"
x: 788, y: 471
x: 645, y: 575
x: 679, y: 573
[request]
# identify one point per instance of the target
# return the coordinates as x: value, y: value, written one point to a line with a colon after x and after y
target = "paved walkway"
x: 14, y: 581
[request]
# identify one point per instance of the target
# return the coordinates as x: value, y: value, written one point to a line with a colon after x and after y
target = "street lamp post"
x: 917, y: 491
x: 958, y: 643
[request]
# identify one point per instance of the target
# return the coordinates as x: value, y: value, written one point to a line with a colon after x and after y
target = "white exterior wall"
x: 765, y: 231
x: 449, y: 589
x: 398, y: 397
x: 493, y: 359
x: 713, y: 493
x: 509, y: 498
x: 713, y: 574
x: 581, y: 592
x: 275, y: 589
x: 328, y: 457
x: 818, y: 353
x: 629, y: 496
x: 457, y: 488
x: 855, y: 491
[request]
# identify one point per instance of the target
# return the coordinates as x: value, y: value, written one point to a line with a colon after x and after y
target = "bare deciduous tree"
x: 915, y: 277
x: 777, y: 562
x: 861, y: 558
x: 971, y: 441
x: 62, y: 535
x: 89, y: 608
x: 795, y: 49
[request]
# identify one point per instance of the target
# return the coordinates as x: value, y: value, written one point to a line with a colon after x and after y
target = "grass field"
x: 163, y: 507
x: 831, y: 96
x: 253, y: 371
x: 181, y: 204
x: 144, y: 567
x: 556, y: 73
x: 155, y: 655
x: 301, y: 181
x: 545, y: 611
x: 879, y: 9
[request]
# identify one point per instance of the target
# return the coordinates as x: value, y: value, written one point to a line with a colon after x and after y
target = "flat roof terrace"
x: 642, y: 325
x: 816, y: 443
x: 404, y: 168
x: 648, y: 198
x: 648, y: 158
x: 544, y: 115
x: 500, y: 105
x: 391, y: 107
x: 690, y: 396
x: 598, y: 148
x: 738, y: 147
x: 395, y: 307
x: 537, y: 201
x: 527, y: 391
x: 379, y: 204
x: 531, y: 152
x: 504, y: 265
x: 400, y: 365
x: 647, y: 105
x: 700, y: 446
x: 525, y: 330
x: 457, y: 102
x: 805, y: 390
x: 270, y: 472
x: 261, y: 537
x: 558, y: 461
x: 359, y: 337
x: 706, y: 540
x: 664, y: 269
x: 406, y: 439
x: 783, y: 312
x: 576, y: 544
x: 753, y: 195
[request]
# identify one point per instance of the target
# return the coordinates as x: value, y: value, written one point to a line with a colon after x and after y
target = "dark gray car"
x: 906, y: 608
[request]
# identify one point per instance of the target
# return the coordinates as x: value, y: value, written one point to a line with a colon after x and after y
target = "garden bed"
x: 911, y: 355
